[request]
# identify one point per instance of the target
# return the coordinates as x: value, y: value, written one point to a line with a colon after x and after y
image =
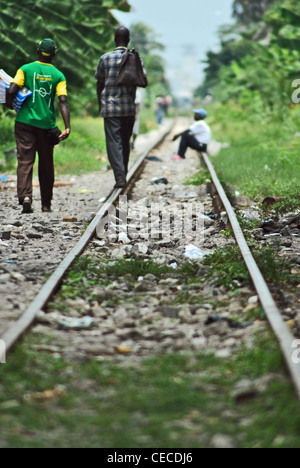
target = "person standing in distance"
x: 35, y: 127
x: 116, y: 106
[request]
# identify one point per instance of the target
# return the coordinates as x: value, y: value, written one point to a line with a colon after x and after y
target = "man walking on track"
x: 35, y: 128
x: 117, y: 106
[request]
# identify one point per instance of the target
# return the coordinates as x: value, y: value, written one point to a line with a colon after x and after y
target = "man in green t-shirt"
x: 35, y: 128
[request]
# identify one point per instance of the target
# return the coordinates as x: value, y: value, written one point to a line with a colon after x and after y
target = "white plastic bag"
x: 2, y: 92
x: 194, y: 253
x: 21, y: 96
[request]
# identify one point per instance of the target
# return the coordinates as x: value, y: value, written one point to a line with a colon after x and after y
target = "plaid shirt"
x: 116, y: 101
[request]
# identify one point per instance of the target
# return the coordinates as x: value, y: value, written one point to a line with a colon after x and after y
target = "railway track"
x: 18, y: 328
x: 281, y: 331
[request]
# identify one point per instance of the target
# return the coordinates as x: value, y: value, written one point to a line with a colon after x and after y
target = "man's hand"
x: 100, y: 88
x: 65, y: 112
x: 65, y: 134
x: 10, y: 95
x: 179, y: 135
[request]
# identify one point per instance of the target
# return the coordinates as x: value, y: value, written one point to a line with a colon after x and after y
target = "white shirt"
x: 138, y: 96
x: 201, y: 132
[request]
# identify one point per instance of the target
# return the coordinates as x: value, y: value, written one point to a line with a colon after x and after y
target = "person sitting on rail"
x: 35, y: 128
x: 197, y: 136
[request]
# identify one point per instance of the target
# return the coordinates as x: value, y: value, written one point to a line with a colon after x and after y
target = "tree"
x: 231, y: 50
x: 247, y: 11
x: 284, y: 19
x: 261, y: 80
x: 144, y: 40
x: 82, y: 29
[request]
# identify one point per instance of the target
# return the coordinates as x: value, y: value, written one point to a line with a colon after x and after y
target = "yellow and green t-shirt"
x: 45, y: 81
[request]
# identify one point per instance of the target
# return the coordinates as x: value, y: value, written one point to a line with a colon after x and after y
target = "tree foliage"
x: 144, y: 40
x: 258, y: 66
x: 231, y: 50
x: 82, y: 29
x: 247, y: 11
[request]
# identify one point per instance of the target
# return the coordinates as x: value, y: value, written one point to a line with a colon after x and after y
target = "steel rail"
x: 272, y: 312
x: 12, y: 335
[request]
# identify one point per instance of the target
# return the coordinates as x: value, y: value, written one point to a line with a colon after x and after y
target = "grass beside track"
x: 170, y: 401
x: 175, y: 400
x: 263, y: 158
x: 83, y: 152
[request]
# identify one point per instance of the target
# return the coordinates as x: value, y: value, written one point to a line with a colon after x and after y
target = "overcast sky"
x: 179, y: 23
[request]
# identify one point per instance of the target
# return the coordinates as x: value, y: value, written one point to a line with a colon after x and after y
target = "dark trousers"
x: 189, y: 141
x: 31, y: 140
x: 118, y: 131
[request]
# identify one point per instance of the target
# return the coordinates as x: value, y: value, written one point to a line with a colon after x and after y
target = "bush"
x: 7, y: 130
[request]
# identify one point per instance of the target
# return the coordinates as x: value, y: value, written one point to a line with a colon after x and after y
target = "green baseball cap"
x: 47, y: 47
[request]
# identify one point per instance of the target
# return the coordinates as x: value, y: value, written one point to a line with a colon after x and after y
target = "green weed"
x: 174, y: 401
x: 264, y: 156
x: 256, y: 314
x: 186, y: 297
x: 88, y: 272
x: 275, y: 270
x: 228, y: 267
x: 288, y: 204
x: 136, y: 267
x: 199, y: 179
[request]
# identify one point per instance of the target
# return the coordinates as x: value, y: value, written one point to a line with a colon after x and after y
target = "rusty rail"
x: 281, y: 331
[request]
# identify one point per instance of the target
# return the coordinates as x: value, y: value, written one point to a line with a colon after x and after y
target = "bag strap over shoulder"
x: 131, y: 72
